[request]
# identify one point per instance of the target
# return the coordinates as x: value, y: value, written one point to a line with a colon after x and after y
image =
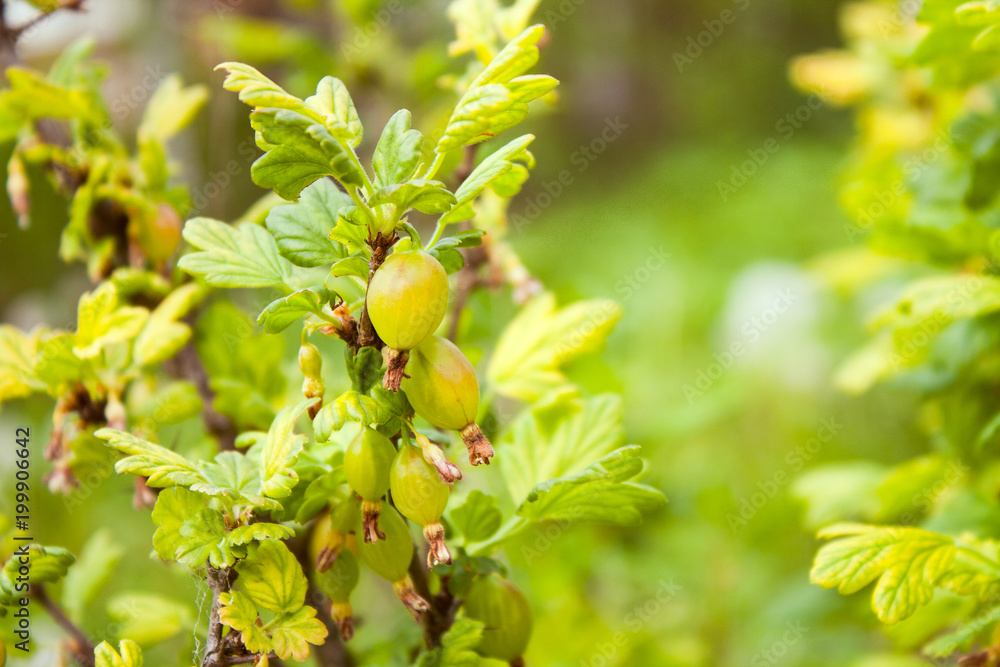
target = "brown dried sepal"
x: 395, y: 369
x: 480, y: 449
x: 370, y: 512
x: 437, y: 551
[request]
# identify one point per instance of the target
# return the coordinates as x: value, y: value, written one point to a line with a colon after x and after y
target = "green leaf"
x: 498, y: 98
x: 189, y: 531
x: 164, y: 335
x: 425, y: 196
x: 32, y: 97
x: 48, y: 565
x: 300, y: 151
x: 149, y: 619
x: 478, y: 517
x: 488, y: 172
x: 235, y: 477
x: 17, y: 352
x: 91, y: 572
x: 273, y: 579
x: 239, y: 613
x: 536, y: 451
x: 965, y: 636
x: 364, y: 368
x: 258, y: 532
x: 356, y: 265
x: 333, y: 103
x: 242, y: 256
x: 281, y: 451
x: 292, y: 633
x: 256, y: 90
x: 601, y: 493
x: 161, y: 466
x: 398, y: 151
x: 526, y: 361
x: 349, y: 406
x: 908, y: 563
x: 171, y: 108
x: 102, y: 321
x: 285, y: 311
x: 458, y: 645
x: 302, y: 230
x: 128, y: 655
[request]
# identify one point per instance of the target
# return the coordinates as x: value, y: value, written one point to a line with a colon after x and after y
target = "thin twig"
x: 81, y: 646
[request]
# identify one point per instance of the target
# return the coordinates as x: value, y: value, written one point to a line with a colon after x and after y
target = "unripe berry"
x: 421, y: 496
x: 338, y: 583
x: 443, y: 389
x: 505, y: 611
x: 390, y: 559
x: 311, y: 365
x: 331, y: 533
x: 366, y: 467
x: 406, y: 302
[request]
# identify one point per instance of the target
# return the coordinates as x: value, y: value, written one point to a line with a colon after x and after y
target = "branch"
x: 219, y: 580
x: 80, y: 646
x: 439, y: 618
x: 366, y: 332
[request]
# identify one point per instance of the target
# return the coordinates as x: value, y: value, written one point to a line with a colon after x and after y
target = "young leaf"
x: 128, y: 655
x: 163, y: 335
x: 285, y: 311
x: 171, y: 108
x: 273, y: 579
x: 292, y: 633
x: 458, y: 645
x: 256, y: 90
x: 364, y: 368
x: 48, y: 565
x: 281, y: 451
x: 349, y: 406
x: 17, y: 352
x: 425, y: 196
x: 398, y: 151
x: 963, y: 638
x: 333, y: 103
x: 602, y: 492
x: 149, y: 619
x: 302, y: 230
x: 161, y: 466
x: 498, y: 98
x: 243, y: 256
x: 102, y: 321
x: 189, y: 531
x: 542, y: 338
x: 478, y: 517
x: 488, y: 172
x: 908, y: 563
x: 239, y: 613
x: 300, y: 151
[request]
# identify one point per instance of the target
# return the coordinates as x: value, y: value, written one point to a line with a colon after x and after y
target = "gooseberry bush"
x: 280, y: 503
x: 921, y: 192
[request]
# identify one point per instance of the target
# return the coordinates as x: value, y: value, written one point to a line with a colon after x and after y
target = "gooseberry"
x: 505, y: 611
x: 366, y: 467
x: 338, y: 582
x: 420, y: 495
x: 390, y: 559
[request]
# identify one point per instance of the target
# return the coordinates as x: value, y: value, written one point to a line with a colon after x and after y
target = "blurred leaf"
x: 171, y: 108
x: 102, y: 321
x: 91, y: 572
x: 965, y: 636
x: 458, y: 645
x: 47, y: 566
x: 128, y: 655
x: 17, y: 352
x: 908, y: 563
x: 163, y: 335
x: 149, y: 619
x: 839, y: 491
x: 601, y: 492
x: 542, y: 338
x: 478, y: 517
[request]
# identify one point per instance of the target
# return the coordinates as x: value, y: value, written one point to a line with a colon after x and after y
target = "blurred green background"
x: 720, y: 576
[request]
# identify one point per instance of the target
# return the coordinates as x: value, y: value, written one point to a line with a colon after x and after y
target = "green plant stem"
x: 434, y: 166
x: 513, y: 527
